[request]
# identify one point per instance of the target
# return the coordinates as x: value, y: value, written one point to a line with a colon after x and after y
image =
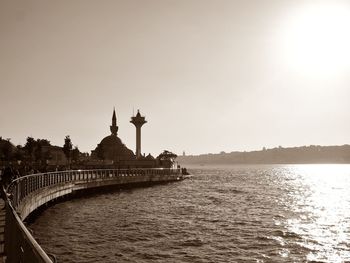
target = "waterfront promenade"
x: 26, y: 194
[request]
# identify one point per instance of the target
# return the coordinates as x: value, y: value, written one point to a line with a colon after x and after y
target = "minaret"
x: 114, y: 127
x: 138, y: 121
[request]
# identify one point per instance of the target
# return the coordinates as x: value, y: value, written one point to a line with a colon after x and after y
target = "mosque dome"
x: 111, y: 140
x: 112, y: 147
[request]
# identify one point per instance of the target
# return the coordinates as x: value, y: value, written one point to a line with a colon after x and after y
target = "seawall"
x: 28, y: 193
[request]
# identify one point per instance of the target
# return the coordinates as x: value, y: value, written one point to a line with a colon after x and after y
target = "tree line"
x: 36, y: 150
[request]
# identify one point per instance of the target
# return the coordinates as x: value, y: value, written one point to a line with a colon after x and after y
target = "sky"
x: 208, y: 75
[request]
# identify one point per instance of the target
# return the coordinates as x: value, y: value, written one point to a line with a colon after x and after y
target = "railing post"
x: 30, y: 185
x: 36, y: 182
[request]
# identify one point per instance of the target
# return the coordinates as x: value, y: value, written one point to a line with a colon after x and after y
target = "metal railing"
x: 20, y: 245
x: 23, y: 186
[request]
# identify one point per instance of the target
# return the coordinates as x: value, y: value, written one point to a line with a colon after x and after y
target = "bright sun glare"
x: 316, y: 39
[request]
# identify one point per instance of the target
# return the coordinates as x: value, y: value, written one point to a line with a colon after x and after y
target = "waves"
x: 231, y: 214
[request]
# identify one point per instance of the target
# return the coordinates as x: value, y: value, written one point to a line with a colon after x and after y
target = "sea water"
x: 265, y: 213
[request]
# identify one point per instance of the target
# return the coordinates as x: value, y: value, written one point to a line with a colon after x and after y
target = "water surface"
x: 290, y: 213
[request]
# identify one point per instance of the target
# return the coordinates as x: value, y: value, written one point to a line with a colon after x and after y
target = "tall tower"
x: 114, y: 127
x: 138, y: 121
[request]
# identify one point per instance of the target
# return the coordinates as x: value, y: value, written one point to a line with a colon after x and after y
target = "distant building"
x: 111, y: 148
x: 55, y: 155
x: 112, y: 151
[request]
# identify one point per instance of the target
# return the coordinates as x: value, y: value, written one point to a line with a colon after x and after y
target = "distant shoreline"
x: 313, y: 154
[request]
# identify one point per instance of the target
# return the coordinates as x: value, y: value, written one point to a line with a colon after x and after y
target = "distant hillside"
x: 280, y: 155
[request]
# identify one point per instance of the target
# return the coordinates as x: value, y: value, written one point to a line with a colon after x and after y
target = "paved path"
x: 2, y: 230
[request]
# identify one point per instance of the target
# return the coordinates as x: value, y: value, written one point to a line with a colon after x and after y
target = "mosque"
x: 112, y: 151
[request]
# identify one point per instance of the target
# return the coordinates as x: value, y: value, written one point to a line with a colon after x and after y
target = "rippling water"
x: 292, y: 213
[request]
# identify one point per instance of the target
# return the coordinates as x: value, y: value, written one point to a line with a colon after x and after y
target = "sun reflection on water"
x: 321, y: 206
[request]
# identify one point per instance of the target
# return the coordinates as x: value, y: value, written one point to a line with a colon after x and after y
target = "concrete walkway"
x: 2, y: 230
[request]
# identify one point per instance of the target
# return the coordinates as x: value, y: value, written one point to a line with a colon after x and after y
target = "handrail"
x: 23, y: 186
x: 93, y: 170
x: 15, y: 229
x: 19, y: 242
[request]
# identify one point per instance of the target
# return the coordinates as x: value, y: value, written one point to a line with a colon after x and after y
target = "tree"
x: 99, y: 152
x: 34, y: 149
x: 39, y: 153
x: 43, y: 142
x: 75, y: 154
x: 6, y: 151
x: 19, y: 154
x: 29, y: 147
x: 67, y: 147
x: 167, y: 155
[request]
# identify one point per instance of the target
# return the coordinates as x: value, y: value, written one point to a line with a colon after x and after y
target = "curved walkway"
x: 28, y: 193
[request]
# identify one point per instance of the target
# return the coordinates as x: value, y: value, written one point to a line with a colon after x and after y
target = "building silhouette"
x: 138, y: 121
x: 112, y: 151
x: 111, y: 147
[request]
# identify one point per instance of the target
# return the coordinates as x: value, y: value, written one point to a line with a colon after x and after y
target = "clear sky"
x: 209, y: 75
